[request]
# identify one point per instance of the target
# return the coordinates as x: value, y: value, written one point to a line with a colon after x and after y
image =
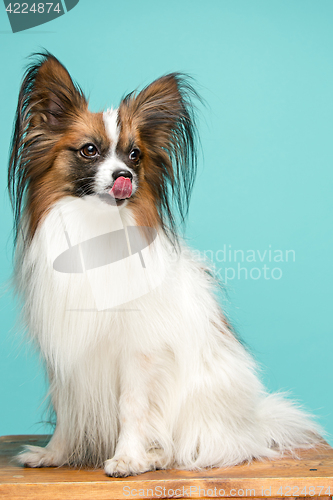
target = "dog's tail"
x: 287, y: 427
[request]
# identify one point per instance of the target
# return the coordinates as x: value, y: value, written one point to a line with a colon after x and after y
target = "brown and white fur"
x: 144, y: 370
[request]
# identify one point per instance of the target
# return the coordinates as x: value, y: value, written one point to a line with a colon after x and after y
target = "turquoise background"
x: 265, y: 69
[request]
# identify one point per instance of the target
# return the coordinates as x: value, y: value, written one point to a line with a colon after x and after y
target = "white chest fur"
x: 142, y: 364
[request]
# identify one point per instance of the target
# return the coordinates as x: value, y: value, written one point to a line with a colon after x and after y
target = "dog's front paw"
x: 36, y: 456
x: 123, y: 466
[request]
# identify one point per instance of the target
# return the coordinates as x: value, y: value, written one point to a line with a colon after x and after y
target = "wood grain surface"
x: 310, y: 475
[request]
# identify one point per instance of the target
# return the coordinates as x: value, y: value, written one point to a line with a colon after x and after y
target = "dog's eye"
x: 134, y: 154
x: 89, y: 151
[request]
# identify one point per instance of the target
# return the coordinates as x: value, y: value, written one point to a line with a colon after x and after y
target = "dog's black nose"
x: 122, y: 173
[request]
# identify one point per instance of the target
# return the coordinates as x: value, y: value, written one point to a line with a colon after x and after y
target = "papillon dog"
x: 145, y: 370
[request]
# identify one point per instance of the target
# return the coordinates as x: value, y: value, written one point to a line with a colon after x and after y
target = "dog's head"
x: 141, y: 154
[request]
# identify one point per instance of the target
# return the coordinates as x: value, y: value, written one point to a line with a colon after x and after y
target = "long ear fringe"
x: 21, y: 142
x: 16, y: 173
x: 176, y: 157
x: 183, y: 152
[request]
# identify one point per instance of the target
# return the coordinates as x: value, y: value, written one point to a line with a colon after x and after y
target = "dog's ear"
x: 159, y: 107
x: 48, y: 102
x: 161, y: 110
x: 48, y: 95
x: 162, y: 115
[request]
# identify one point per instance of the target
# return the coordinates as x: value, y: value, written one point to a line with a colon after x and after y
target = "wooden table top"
x: 311, y: 475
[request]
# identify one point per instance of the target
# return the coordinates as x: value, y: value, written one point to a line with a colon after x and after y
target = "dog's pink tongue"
x: 122, y: 188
